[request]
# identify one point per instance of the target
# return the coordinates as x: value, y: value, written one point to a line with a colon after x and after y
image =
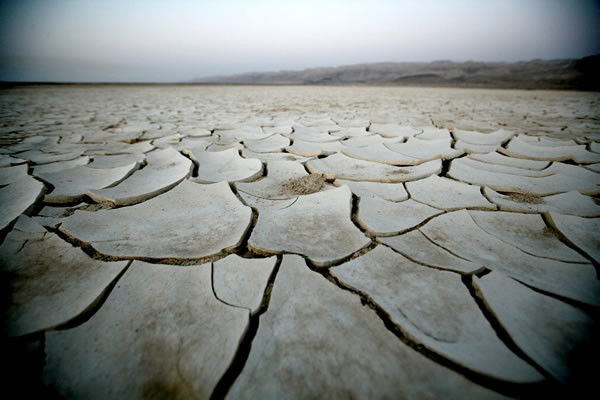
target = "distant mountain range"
x: 581, y: 74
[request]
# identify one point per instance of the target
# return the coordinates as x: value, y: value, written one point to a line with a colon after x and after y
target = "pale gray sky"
x: 177, y: 40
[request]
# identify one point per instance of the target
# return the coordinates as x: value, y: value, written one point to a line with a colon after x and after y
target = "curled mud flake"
x: 305, y: 184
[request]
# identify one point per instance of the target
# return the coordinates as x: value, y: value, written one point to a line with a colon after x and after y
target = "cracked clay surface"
x: 197, y: 242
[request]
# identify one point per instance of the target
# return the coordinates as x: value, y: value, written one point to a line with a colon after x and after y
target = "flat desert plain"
x: 269, y: 242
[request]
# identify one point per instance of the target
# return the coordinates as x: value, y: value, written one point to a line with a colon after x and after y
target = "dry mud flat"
x: 298, y: 242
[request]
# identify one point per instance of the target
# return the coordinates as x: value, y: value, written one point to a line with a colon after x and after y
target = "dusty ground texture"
x: 298, y: 242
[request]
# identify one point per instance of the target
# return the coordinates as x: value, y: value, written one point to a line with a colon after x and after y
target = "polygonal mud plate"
x: 242, y: 282
x: 72, y: 184
x: 498, y: 137
x: 11, y: 174
x: 274, y: 143
x: 387, y: 191
x: 317, y: 226
x: 60, y: 166
x: 165, y: 169
x: 268, y: 157
x: 161, y: 332
x: 425, y: 150
x: 499, y: 159
x: 527, y: 232
x: 48, y: 281
x: 225, y: 165
x: 434, y: 308
x: 505, y: 169
x: 385, y: 218
x: 556, y: 335
x: 284, y: 180
x: 583, y: 233
x: 524, y: 149
x: 190, y: 221
x: 457, y: 232
x: 297, y: 343
x: 416, y: 246
x: 471, y: 148
x: 313, y: 149
x: 572, y: 203
x: 17, y: 197
x: 447, y: 194
x: 462, y: 170
x: 394, y: 130
x: 340, y: 166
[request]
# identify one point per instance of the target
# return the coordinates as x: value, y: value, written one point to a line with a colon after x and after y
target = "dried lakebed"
x: 298, y: 242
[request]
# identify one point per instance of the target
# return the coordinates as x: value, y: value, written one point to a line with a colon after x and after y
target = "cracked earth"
x: 298, y: 242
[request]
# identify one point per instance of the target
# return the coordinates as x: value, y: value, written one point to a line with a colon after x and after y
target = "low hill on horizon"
x: 579, y: 74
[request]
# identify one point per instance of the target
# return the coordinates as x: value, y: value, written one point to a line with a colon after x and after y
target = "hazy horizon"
x: 153, y: 41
